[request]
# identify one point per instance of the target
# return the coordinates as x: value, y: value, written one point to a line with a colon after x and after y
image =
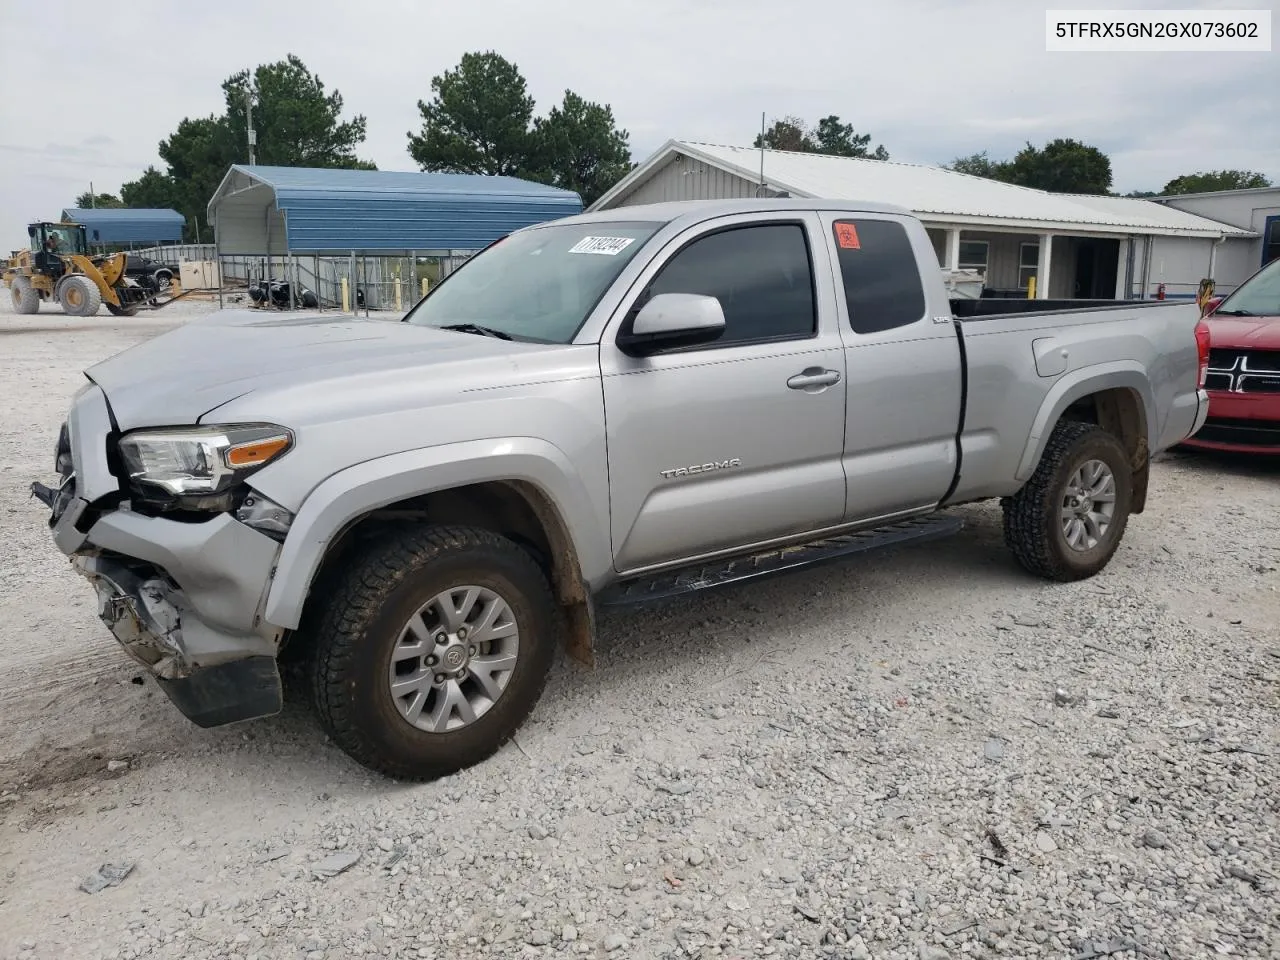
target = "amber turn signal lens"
x: 256, y: 452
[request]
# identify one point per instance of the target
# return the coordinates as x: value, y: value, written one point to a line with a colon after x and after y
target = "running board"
x: 663, y: 586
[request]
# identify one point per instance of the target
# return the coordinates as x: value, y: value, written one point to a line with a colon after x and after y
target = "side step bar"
x: 674, y: 583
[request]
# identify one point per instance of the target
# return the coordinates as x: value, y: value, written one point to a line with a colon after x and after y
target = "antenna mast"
x: 248, y: 117
x: 760, y: 190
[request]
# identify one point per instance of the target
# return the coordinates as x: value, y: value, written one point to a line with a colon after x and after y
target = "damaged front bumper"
x: 183, y: 599
x: 154, y: 623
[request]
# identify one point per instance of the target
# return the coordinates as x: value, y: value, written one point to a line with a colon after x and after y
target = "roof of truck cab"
x: 934, y: 194
x: 696, y: 210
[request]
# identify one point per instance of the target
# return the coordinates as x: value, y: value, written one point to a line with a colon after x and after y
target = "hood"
x: 179, y: 376
x: 1245, y: 333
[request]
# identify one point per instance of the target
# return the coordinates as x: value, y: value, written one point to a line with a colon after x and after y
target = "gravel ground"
x: 914, y: 755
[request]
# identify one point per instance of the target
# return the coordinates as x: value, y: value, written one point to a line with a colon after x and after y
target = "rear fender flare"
x: 1081, y: 383
x: 349, y: 494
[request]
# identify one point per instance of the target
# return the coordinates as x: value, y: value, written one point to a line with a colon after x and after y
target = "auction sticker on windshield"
x: 608, y: 246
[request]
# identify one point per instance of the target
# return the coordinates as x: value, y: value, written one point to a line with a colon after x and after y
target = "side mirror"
x: 673, y: 320
x: 1211, y: 305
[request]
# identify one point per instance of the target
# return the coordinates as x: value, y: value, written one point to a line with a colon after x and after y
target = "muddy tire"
x: 1067, y: 522
x: 431, y: 649
x: 79, y: 296
x: 26, y: 298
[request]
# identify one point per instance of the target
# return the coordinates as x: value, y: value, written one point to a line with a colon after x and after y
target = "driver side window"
x: 761, y: 274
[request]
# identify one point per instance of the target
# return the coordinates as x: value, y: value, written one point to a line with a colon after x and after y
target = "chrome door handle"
x: 814, y: 377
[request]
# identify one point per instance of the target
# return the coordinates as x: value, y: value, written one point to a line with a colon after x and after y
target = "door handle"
x: 814, y: 377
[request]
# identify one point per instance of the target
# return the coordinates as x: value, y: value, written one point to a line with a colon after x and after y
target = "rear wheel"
x: 432, y: 650
x: 1067, y: 522
x: 80, y: 296
x: 26, y: 298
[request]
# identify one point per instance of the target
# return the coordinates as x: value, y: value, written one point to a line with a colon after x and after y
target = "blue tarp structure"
x: 277, y: 210
x: 127, y: 225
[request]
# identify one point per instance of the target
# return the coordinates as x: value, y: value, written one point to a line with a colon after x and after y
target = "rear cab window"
x: 879, y: 273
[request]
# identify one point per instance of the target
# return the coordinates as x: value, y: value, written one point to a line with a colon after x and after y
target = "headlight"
x: 201, y: 461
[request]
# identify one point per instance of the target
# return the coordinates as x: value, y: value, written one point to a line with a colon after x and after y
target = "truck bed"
x: 1147, y: 347
x: 990, y: 308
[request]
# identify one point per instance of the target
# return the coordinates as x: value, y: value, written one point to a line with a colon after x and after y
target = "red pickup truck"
x: 1244, y: 368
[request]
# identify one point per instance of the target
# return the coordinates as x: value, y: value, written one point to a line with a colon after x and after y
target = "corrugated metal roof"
x: 128, y: 224
x: 934, y: 194
x: 378, y: 210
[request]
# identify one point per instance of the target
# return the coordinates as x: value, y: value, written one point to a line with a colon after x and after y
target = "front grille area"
x: 1244, y: 371
x: 1251, y: 433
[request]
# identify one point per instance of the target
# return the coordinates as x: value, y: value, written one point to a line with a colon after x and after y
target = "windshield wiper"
x: 476, y: 328
x: 1234, y: 313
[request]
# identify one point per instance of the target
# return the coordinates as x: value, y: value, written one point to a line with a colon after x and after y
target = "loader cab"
x: 50, y: 242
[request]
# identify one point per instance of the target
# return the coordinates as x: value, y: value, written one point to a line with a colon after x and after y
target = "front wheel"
x: 80, y: 296
x: 26, y: 298
x: 432, y: 650
x: 1066, y: 523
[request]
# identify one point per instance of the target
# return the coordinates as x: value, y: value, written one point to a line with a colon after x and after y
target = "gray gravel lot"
x: 920, y: 754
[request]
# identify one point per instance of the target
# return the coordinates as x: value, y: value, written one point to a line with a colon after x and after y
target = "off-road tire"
x: 360, y: 622
x: 128, y: 310
x: 26, y: 298
x: 1032, y: 518
x: 85, y: 297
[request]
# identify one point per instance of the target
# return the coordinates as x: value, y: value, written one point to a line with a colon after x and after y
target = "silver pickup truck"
x: 609, y: 408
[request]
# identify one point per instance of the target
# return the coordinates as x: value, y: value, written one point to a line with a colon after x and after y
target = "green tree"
x: 152, y: 190
x: 1211, y: 180
x: 298, y: 124
x: 297, y: 121
x: 579, y: 147
x: 87, y: 200
x: 477, y: 120
x: 830, y: 136
x: 1141, y: 194
x: 839, y: 139
x: 789, y: 133
x: 1060, y: 166
x: 979, y: 165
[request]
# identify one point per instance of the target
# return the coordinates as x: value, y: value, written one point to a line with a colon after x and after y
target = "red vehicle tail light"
x: 1202, y: 348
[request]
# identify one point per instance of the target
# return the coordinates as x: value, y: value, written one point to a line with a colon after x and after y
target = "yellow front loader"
x: 58, y: 268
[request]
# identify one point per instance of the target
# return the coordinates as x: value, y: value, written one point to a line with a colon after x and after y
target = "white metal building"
x: 1256, y: 210
x: 1076, y: 246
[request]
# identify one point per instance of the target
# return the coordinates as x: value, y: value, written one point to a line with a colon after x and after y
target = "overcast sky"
x: 930, y: 80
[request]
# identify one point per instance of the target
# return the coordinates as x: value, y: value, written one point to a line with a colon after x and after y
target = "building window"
x: 1028, y: 263
x: 973, y: 255
x: 1271, y: 241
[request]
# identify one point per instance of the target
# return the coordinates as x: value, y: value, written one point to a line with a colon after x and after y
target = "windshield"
x: 1259, y: 296
x: 535, y: 285
x: 60, y: 239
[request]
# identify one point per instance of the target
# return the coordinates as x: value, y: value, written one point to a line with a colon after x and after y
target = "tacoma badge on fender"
x: 701, y: 468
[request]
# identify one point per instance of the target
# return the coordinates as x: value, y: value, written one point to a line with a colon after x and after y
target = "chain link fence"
x: 352, y: 283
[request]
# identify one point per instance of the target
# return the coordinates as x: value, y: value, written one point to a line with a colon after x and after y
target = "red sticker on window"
x: 847, y: 236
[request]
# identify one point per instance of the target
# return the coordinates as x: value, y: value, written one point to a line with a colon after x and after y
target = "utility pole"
x: 93, y: 199
x: 248, y: 115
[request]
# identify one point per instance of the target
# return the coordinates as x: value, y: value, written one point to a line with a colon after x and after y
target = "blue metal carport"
x: 122, y: 226
x: 278, y: 211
